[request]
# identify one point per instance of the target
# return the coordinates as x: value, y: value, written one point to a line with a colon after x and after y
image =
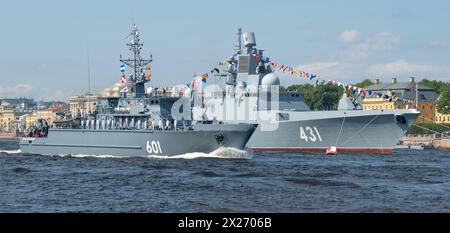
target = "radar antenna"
x: 137, y: 82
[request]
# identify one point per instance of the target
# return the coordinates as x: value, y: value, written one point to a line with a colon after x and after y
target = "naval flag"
x: 123, y: 79
x: 124, y: 90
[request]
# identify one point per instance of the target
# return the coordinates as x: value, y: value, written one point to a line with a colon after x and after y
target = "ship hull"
x: 136, y: 143
x: 376, y: 132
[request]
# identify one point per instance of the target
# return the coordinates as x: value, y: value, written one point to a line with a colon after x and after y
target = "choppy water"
x: 228, y: 181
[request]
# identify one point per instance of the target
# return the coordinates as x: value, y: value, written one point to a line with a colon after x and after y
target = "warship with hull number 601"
x: 133, y: 123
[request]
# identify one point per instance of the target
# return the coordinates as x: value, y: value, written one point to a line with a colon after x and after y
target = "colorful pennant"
x: 294, y: 72
x: 124, y: 90
x: 123, y: 79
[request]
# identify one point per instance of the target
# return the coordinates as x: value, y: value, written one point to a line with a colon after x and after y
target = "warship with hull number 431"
x: 252, y: 87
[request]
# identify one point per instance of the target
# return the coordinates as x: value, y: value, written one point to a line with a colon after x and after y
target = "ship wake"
x: 10, y: 152
x: 221, y: 153
x: 93, y: 156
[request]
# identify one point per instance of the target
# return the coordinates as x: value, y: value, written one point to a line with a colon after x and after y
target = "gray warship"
x: 286, y: 123
x: 134, y: 122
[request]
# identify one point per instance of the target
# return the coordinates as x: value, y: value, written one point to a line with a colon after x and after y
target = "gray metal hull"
x: 362, y: 132
x: 134, y: 143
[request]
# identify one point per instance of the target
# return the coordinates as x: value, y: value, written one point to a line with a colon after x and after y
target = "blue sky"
x: 44, y: 44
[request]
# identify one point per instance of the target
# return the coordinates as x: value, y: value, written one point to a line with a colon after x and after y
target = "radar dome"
x: 270, y: 80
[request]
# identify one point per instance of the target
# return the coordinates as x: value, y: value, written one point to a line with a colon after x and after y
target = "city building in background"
x: 18, y: 103
x: 442, y: 118
x: 83, y: 105
x: 29, y: 120
x: 7, y: 119
x: 17, y: 115
x: 405, y: 96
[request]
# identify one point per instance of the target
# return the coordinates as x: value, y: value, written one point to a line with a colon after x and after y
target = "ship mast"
x: 239, y: 40
x: 136, y: 82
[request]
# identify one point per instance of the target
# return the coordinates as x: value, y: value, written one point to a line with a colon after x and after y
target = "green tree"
x: 438, y: 86
x: 365, y: 83
x: 322, y: 96
x: 443, y: 104
x: 327, y: 96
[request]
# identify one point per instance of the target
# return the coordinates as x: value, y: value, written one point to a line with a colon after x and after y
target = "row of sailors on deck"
x: 109, y: 124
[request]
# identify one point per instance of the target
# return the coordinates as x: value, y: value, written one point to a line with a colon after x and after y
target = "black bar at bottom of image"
x: 219, y: 222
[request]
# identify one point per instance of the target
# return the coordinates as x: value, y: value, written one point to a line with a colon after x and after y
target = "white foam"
x: 221, y: 153
x: 92, y: 156
x: 11, y: 152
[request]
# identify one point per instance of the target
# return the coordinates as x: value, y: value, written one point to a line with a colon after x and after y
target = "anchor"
x: 219, y: 138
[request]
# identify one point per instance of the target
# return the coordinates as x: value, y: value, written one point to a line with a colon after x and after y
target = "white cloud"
x: 339, y: 71
x: 382, y: 41
x: 349, y: 36
x: 353, y: 72
x: 400, y: 67
x: 14, y: 91
x: 319, y: 67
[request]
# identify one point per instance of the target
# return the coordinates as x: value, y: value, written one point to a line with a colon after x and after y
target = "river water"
x: 228, y: 181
